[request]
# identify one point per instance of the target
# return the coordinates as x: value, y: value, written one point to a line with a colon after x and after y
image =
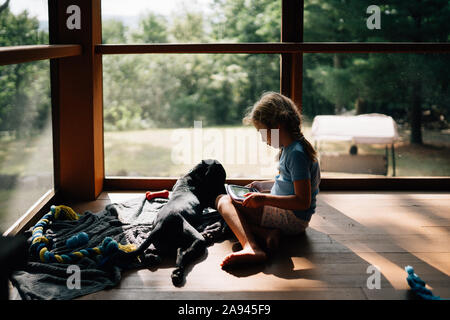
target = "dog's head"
x: 207, y: 180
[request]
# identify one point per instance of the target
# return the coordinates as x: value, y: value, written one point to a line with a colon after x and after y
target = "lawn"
x: 150, y: 152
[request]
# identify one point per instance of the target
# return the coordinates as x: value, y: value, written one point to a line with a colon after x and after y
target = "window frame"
x: 66, y: 52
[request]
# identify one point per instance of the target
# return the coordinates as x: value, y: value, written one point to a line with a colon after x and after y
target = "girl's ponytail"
x: 309, y: 149
x: 307, y: 146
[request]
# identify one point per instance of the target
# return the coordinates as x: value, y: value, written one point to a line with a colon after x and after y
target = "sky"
x: 113, y: 7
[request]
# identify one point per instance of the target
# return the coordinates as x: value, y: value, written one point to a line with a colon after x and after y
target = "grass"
x: 430, y: 159
x: 169, y: 152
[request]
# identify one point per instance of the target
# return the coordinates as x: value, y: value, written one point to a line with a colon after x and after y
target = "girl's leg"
x: 235, y: 219
x: 271, y: 236
x: 254, y: 216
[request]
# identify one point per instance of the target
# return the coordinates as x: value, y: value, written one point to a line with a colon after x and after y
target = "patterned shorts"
x: 283, y: 219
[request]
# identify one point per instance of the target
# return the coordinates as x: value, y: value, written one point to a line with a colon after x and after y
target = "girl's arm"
x: 300, y: 201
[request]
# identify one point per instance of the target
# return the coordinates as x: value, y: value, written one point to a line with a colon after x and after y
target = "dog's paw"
x: 177, y: 276
x: 150, y: 259
x: 207, y: 235
x: 211, y: 235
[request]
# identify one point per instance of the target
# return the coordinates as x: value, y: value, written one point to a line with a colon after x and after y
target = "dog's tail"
x: 144, y: 245
x: 124, y: 259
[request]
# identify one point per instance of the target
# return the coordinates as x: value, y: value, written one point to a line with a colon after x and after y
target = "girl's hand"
x: 255, y: 184
x: 254, y: 200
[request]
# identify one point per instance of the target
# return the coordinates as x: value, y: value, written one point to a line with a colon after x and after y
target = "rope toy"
x: 157, y: 194
x: 418, y: 285
x: 77, y: 240
x: 41, y: 245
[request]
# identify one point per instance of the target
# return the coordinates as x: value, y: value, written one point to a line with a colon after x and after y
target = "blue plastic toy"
x: 418, y: 285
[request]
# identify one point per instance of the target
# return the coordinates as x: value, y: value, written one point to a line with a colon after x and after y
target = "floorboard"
x: 349, y: 232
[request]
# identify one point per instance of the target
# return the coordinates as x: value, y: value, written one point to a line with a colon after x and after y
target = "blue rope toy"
x: 40, y: 245
x: 418, y: 285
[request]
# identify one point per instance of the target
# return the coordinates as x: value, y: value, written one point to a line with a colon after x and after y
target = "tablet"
x: 237, y: 192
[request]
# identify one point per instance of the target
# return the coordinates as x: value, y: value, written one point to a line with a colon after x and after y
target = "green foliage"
x: 152, y: 29
x: 149, y: 91
x: 247, y: 20
x: 401, y: 85
x: 25, y: 94
x: 174, y: 90
x: 114, y: 31
x: 188, y: 27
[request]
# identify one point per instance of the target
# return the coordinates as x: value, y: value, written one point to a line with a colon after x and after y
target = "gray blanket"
x: 127, y: 222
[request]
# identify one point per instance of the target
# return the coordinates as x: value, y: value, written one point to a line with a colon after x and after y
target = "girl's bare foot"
x: 246, y: 255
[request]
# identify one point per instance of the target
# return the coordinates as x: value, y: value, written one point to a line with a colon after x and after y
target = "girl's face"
x: 265, y: 132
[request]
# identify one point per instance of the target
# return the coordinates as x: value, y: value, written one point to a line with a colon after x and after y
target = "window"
x: 410, y: 88
x: 169, y: 92
x: 368, y: 21
x: 193, y: 21
x: 26, y: 147
x: 164, y: 113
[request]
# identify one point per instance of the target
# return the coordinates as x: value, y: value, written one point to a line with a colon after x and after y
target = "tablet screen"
x: 240, y: 191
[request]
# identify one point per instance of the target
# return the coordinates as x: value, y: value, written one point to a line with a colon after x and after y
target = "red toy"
x: 157, y: 194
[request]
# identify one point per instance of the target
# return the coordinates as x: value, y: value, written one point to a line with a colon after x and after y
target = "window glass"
x: 26, y: 152
x: 23, y: 22
x: 364, y: 20
x: 193, y: 21
x: 164, y: 113
x: 409, y: 88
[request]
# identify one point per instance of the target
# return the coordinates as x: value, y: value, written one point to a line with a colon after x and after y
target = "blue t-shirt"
x: 296, y: 165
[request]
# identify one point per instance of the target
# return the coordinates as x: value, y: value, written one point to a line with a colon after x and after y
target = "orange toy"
x: 157, y: 194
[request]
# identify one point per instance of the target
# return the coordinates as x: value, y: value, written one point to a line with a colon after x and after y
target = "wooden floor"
x: 348, y: 233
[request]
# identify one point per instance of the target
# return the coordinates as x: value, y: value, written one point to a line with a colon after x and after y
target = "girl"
x: 288, y: 207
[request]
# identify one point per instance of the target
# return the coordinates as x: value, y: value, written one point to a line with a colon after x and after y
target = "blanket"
x: 128, y: 222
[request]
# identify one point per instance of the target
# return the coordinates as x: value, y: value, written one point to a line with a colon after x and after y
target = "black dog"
x: 176, y: 222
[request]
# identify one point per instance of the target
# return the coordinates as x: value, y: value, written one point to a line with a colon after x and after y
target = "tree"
x: 4, y: 6
x: 188, y: 26
x: 24, y: 99
x: 250, y: 21
x: 417, y: 21
x: 152, y: 29
x: 114, y: 31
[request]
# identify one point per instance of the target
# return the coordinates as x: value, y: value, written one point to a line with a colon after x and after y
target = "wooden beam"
x: 159, y: 48
x: 375, y: 47
x: 21, y: 54
x: 79, y: 101
x: 326, y: 184
x: 292, y: 63
x: 275, y: 48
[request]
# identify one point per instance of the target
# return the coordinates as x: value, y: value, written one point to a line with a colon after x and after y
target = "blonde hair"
x: 274, y: 109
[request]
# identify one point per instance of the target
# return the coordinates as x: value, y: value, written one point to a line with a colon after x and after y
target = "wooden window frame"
x: 80, y: 56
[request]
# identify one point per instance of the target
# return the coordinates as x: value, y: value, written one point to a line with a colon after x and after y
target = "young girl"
x: 287, y: 209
